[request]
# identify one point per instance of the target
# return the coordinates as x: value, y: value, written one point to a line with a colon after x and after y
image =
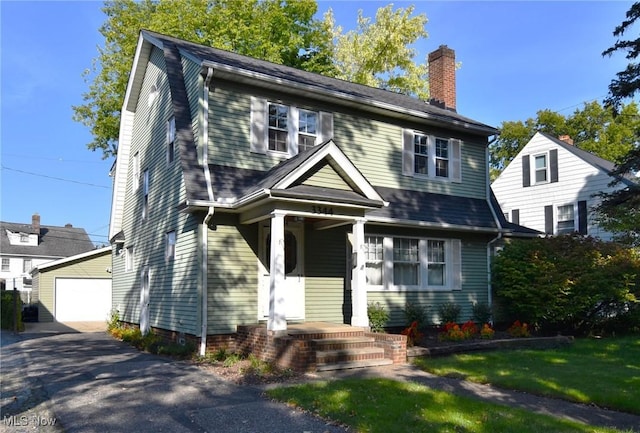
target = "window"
x: 128, y: 264
x: 136, y: 171
x: 428, y: 156
x: 307, y: 129
x: 374, y: 260
x: 421, y: 158
x: 5, y: 264
x: 170, y: 250
x: 145, y: 194
x: 406, y: 262
x: 26, y: 265
x: 541, y: 168
x: 396, y: 263
x: 442, y: 157
x: 278, y: 127
x: 171, y: 138
x: 286, y: 129
x: 24, y: 238
x: 566, y: 219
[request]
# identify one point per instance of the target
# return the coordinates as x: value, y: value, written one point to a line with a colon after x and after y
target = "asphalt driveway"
x: 89, y: 382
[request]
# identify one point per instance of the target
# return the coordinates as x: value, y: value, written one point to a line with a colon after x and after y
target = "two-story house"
x: 25, y: 246
x: 551, y: 186
x: 248, y: 192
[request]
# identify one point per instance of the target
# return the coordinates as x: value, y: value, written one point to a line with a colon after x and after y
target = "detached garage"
x: 76, y: 288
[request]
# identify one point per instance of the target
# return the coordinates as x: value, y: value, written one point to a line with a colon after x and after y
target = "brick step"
x: 326, y: 335
x: 324, y: 344
x: 348, y: 355
x: 354, y: 364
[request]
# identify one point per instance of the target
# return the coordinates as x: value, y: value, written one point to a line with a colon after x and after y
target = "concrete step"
x: 324, y: 344
x: 348, y: 355
x: 354, y: 364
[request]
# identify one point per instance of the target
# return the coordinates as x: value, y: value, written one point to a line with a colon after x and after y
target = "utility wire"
x: 55, y: 178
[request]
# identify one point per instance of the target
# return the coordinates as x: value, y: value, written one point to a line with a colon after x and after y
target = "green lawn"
x: 605, y: 372
x: 383, y: 406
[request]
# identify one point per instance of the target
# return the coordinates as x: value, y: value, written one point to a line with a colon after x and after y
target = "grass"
x: 605, y: 372
x: 383, y: 405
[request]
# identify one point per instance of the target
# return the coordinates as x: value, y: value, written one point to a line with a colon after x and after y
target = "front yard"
x: 602, y: 372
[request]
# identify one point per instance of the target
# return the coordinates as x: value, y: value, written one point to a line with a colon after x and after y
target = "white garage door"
x: 82, y: 299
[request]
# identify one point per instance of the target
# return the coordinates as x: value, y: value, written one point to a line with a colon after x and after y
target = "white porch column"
x: 359, y: 278
x: 277, y: 320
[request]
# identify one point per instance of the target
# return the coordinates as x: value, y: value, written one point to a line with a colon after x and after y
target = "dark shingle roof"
x: 54, y: 241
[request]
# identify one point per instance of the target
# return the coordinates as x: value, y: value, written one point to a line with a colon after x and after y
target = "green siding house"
x: 247, y: 192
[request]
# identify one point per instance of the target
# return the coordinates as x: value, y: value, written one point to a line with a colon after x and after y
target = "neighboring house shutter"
x: 326, y: 127
x: 258, y: 125
x: 515, y: 216
x: 553, y: 165
x: 582, y: 217
x: 526, y: 171
x: 407, y: 152
x: 548, y: 220
x: 456, y: 264
x: 456, y: 168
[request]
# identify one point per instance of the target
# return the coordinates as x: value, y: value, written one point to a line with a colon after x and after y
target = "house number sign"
x: 323, y: 210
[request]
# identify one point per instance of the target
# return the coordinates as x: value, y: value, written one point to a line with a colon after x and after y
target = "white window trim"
x: 454, y: 160
x: 452, y: 266
x: 7, y: 261
x: 533, y: 170
x: 575, y: 219
x: 136, y: 171
x: 170, y: 245
x: 145, y: 194
x: 129, y: 259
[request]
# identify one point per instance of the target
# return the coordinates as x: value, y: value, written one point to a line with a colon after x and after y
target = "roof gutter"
x: 210, y: 211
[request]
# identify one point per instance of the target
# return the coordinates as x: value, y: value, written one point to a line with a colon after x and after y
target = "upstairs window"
x: 145, y: 194
x: 5, y: 264
x: 171, y: 138
x: 541, y: 168
x: 136, y: 171
x: 26, y: 265
x: 129, y: 256
x: 286, y: 130
x: 170, y: 250
x: 24, y: 238
x: 429, y: 156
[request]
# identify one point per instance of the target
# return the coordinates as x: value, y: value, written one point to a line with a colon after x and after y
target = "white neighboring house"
x: 550, y: 185
x: 25, y: 246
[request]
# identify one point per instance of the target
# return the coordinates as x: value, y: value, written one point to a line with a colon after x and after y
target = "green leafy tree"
x: 378, y: 53
x: 278, y: 31
x: 619, y: 211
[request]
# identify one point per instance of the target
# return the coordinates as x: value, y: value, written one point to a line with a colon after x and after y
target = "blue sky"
x: 517, y: 58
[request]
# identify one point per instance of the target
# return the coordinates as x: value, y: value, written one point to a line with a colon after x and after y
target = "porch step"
x: 354, y: 364
x: 324, y: 344
x: 348, y: 355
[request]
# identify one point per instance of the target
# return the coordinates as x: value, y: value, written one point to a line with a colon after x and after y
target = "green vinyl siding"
x: 325, y: 267
x: 233, y: 275
x: 326, y: 177
x: 173, y: 291
x: 44, y: 282
x: 193, y: 83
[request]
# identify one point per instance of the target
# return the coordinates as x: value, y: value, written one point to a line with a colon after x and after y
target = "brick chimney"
x: 35, y: 223
x: 442, y: 77
x: 566, y: 138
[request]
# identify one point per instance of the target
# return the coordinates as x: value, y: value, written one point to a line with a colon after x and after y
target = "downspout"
x: 500, y: 228
x: 210, y: 211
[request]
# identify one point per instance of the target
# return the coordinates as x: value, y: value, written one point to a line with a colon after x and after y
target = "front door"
x: 293, y: 268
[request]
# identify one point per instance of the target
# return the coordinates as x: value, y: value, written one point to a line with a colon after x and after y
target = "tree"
x: 593, y: 128
x: 378, y: 53
x: 278, y: 31
x: 619, y: 211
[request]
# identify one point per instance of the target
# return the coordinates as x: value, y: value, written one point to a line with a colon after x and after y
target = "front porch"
x: 321, y: 346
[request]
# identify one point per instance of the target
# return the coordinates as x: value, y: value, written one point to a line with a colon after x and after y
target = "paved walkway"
x: 89, y: 382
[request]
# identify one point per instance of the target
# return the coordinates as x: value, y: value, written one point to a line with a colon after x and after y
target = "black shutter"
x: 582, y: 217
x: 553, y: 165
x: 515, y: 216
x: 526, y: 171
x: 548, y: 220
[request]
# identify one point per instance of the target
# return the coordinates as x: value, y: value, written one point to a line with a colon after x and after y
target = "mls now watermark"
x: 23, y: 421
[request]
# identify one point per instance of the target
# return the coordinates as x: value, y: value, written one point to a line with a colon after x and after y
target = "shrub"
x: 7, y: 309
x: 481, y: 312
x: 415, y: 313
x: 487, y: 332
x: 452, y: 332
x: 469, y: 329
x: 449, y: 312
x: 413, y: 334
x: 567, y: 283
x: 519, y: 330
x: 113, y: 321
x: 378, y: 317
